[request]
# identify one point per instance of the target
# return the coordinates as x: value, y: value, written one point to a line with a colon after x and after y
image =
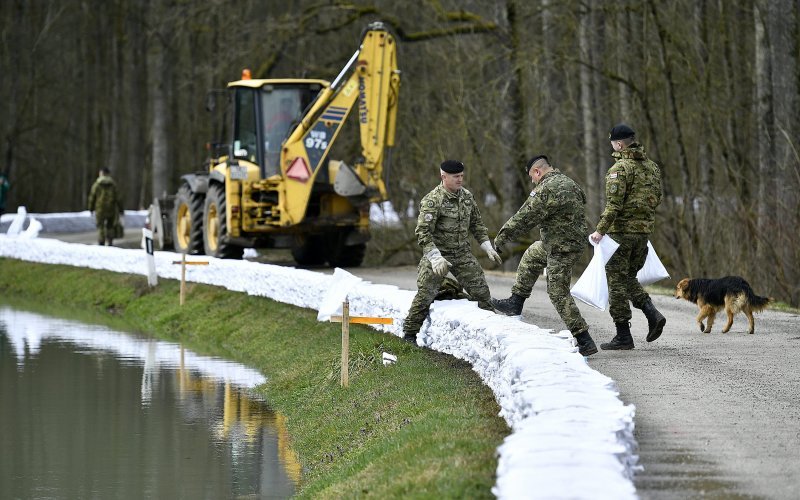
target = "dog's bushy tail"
x: 757, y: 302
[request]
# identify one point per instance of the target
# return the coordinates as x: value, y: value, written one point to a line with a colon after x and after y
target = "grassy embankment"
x: 426, y: 427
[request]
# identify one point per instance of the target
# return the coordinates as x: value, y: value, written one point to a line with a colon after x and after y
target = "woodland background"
x: 711, y: 86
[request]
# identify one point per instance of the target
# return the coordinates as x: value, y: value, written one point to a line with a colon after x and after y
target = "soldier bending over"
x: 558, y: 206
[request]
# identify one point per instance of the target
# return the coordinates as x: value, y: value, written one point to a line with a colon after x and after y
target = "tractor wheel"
x: 216, y: 226
x: 340, y: 255
x: 187, y: 221
x: 309, y: 250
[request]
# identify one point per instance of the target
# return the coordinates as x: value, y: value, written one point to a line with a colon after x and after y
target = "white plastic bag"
x: 652, y: 270
x: 592, y: 286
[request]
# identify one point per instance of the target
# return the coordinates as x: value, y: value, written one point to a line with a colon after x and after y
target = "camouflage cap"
x: 452, y: 166
x: 621, y: 131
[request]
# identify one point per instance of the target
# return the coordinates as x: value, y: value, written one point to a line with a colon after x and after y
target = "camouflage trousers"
x: 559, y: 280
x: 534, y: 260
x: 105, y: 222
x: 621, y: 272
x: 467, y: 271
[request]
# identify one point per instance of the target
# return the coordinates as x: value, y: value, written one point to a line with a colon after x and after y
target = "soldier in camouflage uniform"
x: 558, y: 206
x: 447, y: 216
x: 633, y: 191
x: 105, y: 202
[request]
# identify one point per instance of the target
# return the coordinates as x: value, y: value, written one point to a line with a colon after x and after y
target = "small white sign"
x: 389, y: 359
x: 238, y: 173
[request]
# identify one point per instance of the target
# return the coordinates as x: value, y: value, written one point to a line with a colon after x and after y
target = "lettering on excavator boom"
x: 317, y: 139
x: 362, y: 100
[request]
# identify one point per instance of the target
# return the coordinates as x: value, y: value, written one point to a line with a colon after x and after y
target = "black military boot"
x: 410, y: 337
x: 622, y: 340
x: 655, y: 321
x: 511, y: 306
x: 586, y: 345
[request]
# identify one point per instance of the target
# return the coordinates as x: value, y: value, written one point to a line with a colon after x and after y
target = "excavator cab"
x: 264, y: 115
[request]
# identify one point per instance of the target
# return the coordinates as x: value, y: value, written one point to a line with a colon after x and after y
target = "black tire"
x: 340, y: 255
x: 309, y: 250
x: 215, y: 223
x: 157, y: 223
x: 187, y: 221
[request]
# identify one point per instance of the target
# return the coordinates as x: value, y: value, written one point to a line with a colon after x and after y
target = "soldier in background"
x: 447, y: 216
x: 557, y: 205
x: 4, y: 187
x: 633, y: 191
x: 105, y: 202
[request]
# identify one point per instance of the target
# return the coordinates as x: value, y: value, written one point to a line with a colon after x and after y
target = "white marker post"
x: 152, y: 276
x: 183, y: 264
x: 345, y: 319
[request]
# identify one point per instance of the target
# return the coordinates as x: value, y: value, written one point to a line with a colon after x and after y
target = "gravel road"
x: 717, y: 415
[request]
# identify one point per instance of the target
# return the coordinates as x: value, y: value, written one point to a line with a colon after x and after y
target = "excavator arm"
x: 370, y: 78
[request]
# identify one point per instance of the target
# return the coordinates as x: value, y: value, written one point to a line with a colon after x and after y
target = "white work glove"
x: 490, y: 251
x: 439, y: 264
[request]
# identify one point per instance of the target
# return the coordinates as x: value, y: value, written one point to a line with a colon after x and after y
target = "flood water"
x: 88, y: 412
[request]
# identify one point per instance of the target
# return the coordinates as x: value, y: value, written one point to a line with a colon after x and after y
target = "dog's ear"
x: 681, y: 287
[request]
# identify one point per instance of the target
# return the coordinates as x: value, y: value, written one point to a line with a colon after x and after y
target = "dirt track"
x: 717, y: 415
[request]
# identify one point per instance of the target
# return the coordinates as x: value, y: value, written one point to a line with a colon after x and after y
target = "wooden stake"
x: 364, y: 320
x: 346, y: 319
x: 345, y: 343
x: 183, y: 278
x: 183, y: 264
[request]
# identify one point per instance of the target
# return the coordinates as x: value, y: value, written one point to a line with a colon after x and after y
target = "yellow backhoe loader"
x: 271, y: 183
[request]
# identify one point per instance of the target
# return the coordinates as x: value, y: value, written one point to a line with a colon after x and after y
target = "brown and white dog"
x: 711, y: 295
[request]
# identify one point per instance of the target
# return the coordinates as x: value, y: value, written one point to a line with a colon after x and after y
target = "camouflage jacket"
x: 633, y: 191
x: 557, y: 205
x: 104, y: 198
x: 446, y: 220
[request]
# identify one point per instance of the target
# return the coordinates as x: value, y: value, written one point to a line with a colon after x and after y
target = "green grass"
x: 426, y: 427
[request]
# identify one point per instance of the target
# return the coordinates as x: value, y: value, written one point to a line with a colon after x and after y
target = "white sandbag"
x: 652, y: 270
x: 336, y: 293
x: 19, y: 220
x: 592, y: 286
x: 33, y: 230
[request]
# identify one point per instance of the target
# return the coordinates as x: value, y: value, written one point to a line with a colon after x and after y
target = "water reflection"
x: 89, y: 412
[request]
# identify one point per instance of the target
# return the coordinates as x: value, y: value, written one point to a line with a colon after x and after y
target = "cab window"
x: 281, y: 109
x: 245, y: 141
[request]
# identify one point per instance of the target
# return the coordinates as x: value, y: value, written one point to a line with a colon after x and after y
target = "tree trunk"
x: 687, y: 232
x: 135, y: 160
x: 590, y: 157
x: 624, y: 39
x: 783, y: 41
x: 160, y: 149
x: 512, y: 124
x: 157, y: 71
x: 764, y: 126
